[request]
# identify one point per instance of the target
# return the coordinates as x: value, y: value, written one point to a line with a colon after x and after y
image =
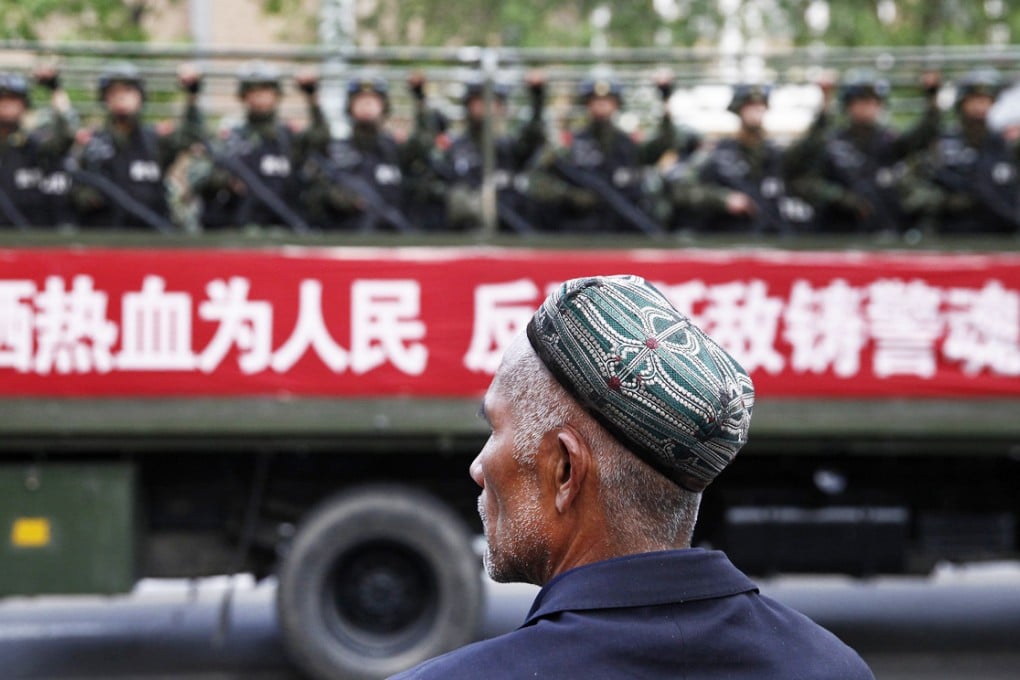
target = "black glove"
x: 50, y: 81
x: 417, y: 88
x: 192, y: 85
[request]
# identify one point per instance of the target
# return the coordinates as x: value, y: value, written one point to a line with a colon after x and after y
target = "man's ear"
x: 573, y: 464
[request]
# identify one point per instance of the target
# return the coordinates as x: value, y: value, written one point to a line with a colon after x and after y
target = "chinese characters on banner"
x: 435, y: 321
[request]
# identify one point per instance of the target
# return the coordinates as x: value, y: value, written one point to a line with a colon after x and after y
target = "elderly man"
x: 608, y: 420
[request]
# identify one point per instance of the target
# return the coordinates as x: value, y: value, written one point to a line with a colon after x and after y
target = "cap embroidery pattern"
x: 649, y: 375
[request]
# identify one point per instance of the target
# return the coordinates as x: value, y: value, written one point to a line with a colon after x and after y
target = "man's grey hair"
x: 642, y: 505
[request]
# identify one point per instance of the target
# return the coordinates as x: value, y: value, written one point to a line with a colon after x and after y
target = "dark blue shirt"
x: 675, y: 614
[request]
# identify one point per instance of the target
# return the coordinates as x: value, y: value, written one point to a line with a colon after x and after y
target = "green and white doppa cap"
x: 651, y: 377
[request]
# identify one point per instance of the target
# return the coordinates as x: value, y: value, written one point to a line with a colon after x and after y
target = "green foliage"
x: 85, y: 19
x: 568, y: 23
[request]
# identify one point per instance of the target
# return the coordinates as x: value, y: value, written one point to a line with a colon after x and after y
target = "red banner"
x: 434, y: 321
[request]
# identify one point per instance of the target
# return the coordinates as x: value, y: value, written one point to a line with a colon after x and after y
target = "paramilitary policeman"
x: 852, y: 175
x: 973, y: 169
x: 123, y: 164
x: 250, y: 175
x: 464, y: 159
x: 595, y: 184
x: 739, y: 184
x: 34, y: 189
x: 365, y: 181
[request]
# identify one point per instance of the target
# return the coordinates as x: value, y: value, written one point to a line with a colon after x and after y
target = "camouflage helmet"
x: 979, y: 82
x: 862, y: 84
x: 475, y: 89
x: 368, y: 84
x: 123, y: 73
x: 599, y: 85
x: 748, y: 94
x: 256, y: 74
x: 14, y: 85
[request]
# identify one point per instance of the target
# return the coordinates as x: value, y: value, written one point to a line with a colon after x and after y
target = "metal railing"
x: 447, y: 68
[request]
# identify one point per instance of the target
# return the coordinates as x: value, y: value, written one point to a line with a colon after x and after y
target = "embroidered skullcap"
x: 652, y: 378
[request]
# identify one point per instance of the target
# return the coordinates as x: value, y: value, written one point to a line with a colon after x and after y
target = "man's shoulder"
x: 790, y: 640
x: 495, y: 657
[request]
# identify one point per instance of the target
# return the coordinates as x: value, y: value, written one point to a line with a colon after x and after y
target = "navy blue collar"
x: 645, y: 579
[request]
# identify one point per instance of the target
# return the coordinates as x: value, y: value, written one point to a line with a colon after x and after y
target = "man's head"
x: 122, y: 90
x: 259, y: 88
x: 368, y: 100
x: 976, y: 93
x: 474, y: 100
x: 749, y: 103
x: 14, y: 99
x: 607, y: 421
x: 863, y: 96
x: 602, y: 95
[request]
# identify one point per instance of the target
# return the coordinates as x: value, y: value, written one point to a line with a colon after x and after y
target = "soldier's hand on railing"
x: 47, y: 76
x: 307, y: 81
x: 416, y: 85
x: 931, y: 81
x: 827, y: 84
x: 189, y: 78
x: 664, y: 84
x: 535, y: 80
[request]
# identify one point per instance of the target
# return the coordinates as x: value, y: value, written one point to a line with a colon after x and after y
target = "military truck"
x: 306, y: 407
x: 190, y: 406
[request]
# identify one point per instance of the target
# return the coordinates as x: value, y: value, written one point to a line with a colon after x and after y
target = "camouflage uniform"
x: 463, y: 160
x: 367, y: 181
x: 971, y: 178
x: 34, y: 189
x: 854, y: 176
x: 268, y: 154
x: 596, y: 183
x: 131, y: 155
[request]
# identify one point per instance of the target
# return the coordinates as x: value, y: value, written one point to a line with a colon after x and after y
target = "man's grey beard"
x: 522, y: 551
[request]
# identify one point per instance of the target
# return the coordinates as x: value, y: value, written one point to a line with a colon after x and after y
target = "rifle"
x: 12, y: 213
x: 879, y: 218
x: 767, y: 215
x: 118, y: 195
x: 509, y: 214
x: 504, y: 209
x: 376, y: 206
x: 616, y: 201
x: 982, y: 191
x: 257, y: 189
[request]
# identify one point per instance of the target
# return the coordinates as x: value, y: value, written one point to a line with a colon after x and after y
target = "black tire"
x: 378, y: 579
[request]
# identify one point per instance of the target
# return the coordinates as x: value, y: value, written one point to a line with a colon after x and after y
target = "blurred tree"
x: 575, y: 23
x: 914, y: 22
x: 85, y: 19
x: 583, y: 23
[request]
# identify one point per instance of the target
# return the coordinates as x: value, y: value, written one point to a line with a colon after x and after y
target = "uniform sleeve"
x: 315, y: 138
x: 804, y: 155
x: 920, y: 135
x: 55, y: 138
x: 669, y: 137
x: 532, y: 137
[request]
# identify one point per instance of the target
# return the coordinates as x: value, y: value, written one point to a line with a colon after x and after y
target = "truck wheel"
x: 376, y: 580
